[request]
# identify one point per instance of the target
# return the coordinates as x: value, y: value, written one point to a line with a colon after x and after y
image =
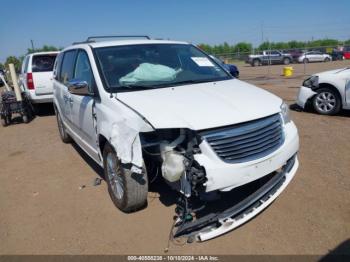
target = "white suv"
x: 36, y: 76
x: 142, y: 108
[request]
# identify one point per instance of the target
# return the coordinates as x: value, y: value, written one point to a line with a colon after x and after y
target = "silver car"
x: 314, y: 56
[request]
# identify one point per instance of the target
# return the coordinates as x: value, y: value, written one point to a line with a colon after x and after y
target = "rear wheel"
x: 326, y: 102
x: 327, y: 59
x: 3, y: 121
x: 25, y: 119
x: 127, y: 190
x: 286, y: 61
x: 256, y: 62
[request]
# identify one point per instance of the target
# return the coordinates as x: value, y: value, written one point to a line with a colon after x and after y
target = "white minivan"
x: 36, y: 76
x: 146, y: 109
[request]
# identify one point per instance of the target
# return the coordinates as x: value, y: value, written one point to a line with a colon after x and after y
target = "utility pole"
x: 31, y: 41
x: 262, y: 32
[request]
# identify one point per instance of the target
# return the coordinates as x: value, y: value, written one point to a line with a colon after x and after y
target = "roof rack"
x: 90, y: 38
x: 117, y: 36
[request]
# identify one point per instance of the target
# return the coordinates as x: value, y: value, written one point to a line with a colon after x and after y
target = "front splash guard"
x: 215, y: 224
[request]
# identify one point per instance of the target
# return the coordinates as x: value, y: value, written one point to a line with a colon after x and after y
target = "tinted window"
x: 43, y: 63
x: 67, y: 67
x: 83, y: 70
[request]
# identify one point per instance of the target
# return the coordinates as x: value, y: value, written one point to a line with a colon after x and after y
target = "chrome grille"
x: 247, y: 141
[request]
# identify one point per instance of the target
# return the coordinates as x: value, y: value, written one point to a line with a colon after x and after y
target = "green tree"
x: 243, y: 47
x: 2, y: 66
x: 45, y: 48
x: 13, y: 60
x: 347, y: 42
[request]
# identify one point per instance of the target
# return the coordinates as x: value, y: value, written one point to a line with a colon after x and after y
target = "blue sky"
x: 62, y: 22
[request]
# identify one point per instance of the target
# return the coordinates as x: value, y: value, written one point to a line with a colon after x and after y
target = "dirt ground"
x: 43, y: 209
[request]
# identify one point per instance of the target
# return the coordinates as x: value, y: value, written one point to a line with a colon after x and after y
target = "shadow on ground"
x: 310, y: 110
x: 340, y: 253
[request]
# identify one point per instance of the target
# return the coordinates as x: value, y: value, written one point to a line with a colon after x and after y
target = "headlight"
x: 311, y: 82
x: 285, y: 113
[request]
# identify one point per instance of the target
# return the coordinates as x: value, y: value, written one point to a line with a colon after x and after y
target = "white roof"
x: 125, y: 42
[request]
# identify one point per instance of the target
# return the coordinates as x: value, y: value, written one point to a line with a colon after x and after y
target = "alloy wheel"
x: 115, y: 176
x: 325, y: 102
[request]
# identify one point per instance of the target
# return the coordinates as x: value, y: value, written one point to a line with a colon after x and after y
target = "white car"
x: 145, y: 108
x: 36, y: 76
x: 328, y: 92
x: 314, y: 56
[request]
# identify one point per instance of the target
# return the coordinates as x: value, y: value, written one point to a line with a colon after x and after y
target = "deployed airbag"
x: 147, y: 72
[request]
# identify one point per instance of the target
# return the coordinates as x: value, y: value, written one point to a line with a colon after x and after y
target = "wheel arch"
x: 102, y: 140
x: 331, y: 87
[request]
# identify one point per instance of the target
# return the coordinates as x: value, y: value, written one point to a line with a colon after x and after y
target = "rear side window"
x: 25, y: 64
x: 57, y: 67
x: 66, y: 71
x: 43, y: 63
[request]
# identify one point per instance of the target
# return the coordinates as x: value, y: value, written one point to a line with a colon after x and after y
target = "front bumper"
x: 226, y: 176
x: 304, y: 94
x: 213, y: 225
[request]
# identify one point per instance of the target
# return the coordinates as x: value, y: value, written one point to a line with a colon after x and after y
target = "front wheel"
x: 305, y: 61
x: 127, y: 190
x: 327, y: 59
x: 326, y: 102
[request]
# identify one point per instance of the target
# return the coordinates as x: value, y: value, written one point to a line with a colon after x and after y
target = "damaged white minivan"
x: 143, y: 108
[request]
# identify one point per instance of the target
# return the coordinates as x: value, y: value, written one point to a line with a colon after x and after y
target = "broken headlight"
x: 285, y: 113
x: 311, y: 82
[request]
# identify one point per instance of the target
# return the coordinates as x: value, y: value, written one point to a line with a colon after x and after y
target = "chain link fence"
x: 300, y: 68
x: 335, y: 51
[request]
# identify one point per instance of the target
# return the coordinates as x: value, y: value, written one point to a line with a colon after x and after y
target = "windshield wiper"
x: 196, y: 81
x: 132, y: 88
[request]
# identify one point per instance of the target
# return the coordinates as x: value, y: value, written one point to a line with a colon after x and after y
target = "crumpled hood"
x: 335, y: 71
x: 202, y: 106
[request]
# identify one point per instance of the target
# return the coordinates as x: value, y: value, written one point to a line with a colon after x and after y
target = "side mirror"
x: 77, y: 87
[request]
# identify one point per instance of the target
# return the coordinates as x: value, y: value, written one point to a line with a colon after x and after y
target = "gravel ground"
x: 45, y: 210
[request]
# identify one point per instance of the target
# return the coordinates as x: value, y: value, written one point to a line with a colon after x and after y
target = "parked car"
x: 36, y: 76
x: 143, y: 107
x: 270, y: 57
x: 295, y: 53
x: 229, y: 67
x: 346, y: 53
x: 337, y: 55
x: 327, y: 92
x: 314, y: 56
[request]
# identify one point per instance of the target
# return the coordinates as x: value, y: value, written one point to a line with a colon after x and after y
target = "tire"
x: 327, y: 59
x: 286, y: 61
x: 127, y: 190
x: 326, y: 102
x: 3, y: 121
x: 25, y: 119
x: 305, y: 61
x: 256, y: 62
x: 62, y: 129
